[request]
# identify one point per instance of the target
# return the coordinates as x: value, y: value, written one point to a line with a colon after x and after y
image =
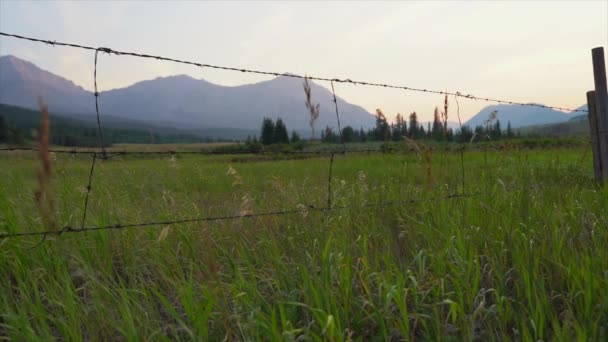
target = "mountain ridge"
x: 181, y: 100
x: 185, y: 102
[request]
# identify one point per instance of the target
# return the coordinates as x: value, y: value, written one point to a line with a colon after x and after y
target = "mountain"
x: 22, y: 83
x: 519, y: 116
x: 189, y: 102
x: 180, y: 101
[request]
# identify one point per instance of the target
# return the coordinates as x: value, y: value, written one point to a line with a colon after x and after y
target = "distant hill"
x: 520, y: 116
x: 180, y: 101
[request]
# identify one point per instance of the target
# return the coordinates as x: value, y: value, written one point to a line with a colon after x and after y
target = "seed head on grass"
x: 43, y: 194
x: 444, y: 117
x: 312, y: 108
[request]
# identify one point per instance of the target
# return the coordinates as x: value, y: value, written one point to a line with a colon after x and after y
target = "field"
x: 524, y: 257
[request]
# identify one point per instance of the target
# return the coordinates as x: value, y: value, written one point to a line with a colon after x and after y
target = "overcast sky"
x: 523, y: 51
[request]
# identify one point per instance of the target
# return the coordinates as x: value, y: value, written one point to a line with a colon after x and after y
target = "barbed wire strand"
x: 303, y: 210
x: 291, y: 75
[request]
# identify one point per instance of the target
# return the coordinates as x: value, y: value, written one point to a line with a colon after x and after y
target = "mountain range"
x: 180, y: 101
x: 183, y: 102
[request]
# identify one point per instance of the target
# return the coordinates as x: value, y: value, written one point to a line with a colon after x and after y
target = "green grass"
x: 523, y: 260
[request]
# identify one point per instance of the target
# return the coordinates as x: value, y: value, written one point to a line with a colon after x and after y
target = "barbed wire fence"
x: 102, y: 154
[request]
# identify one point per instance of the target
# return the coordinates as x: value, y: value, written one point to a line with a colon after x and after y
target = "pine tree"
x: 280, y: 132
x: 413, y: 131
x: 437, y: 126
x: 3, y: 130
x: 397, y: 128
x: 295, y: 137
x: 348, y: 134
x: 510, y: 134
x: 362, y: 135
x: 267, y: 136
x: 497, y: 131
x: 383, y: 132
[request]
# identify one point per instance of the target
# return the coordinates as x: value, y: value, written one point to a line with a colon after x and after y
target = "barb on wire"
x: 234, y: 217
x: 277, y: 74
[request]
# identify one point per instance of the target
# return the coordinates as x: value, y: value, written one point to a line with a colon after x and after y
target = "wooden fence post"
x: 601, y: 108
x: 595, y: 147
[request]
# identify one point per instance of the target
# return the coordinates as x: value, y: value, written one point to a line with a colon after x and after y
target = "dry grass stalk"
x: 312, y: 108
x: 444, y: 116
x: 43, y: 193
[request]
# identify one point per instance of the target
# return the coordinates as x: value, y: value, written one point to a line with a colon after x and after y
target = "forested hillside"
x: 19, y: 125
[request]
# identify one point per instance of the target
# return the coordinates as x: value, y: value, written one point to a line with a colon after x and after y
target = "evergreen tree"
x: 280, y: 132
x: 413, y: 131
x: 362, y: 135
x: 450, y: 135
x: 464, y: 134
x: 348, y: 134
x: 480, y: 133
x: 497, y: 130
x: 328, y: 135
x: 383, y: 132
x: 267, y: 136
x: 295, y: 137
x: 398, y: 128
x: 510, y: 134
x: 437, y: 132
x: 3, y: 130
x: 403, y: 128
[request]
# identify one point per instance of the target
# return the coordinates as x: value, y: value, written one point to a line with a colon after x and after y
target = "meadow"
x: 522, y: 258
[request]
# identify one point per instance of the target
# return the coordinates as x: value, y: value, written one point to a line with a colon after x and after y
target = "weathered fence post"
x: 600, y: 110
x: 595, y: 147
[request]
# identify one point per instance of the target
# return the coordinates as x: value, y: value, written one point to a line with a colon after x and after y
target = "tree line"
x: 274, y: 133
x: 277, y: 133
x: 438, y: 130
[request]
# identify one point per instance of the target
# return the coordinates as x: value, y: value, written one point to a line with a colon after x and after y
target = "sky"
x: 526, y: 51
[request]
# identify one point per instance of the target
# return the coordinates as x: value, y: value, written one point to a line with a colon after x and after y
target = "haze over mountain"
x: 180, y: 101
